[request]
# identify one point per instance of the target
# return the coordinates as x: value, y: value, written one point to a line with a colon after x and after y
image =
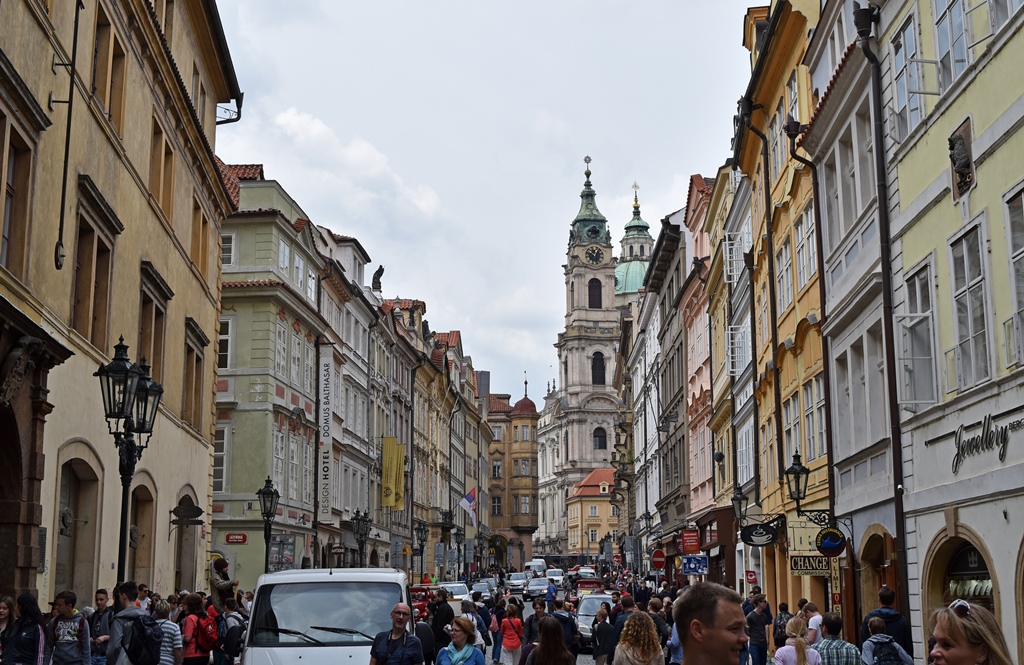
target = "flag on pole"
x: 468, y: 504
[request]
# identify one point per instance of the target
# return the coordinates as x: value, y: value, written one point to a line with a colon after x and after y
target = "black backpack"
x: 885, y: 653
x: 142, y: 639
x: 232, y: 640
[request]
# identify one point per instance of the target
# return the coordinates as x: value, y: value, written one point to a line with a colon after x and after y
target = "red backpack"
x: 206, y: 633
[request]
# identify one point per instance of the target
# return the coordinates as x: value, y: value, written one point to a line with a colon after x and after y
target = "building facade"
x: 106, y: 236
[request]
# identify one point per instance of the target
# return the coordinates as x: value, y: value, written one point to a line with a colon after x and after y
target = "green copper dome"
x: 635, y: 254
x: 590, y: 226
x: 637, y: 226
x: 629, y: 276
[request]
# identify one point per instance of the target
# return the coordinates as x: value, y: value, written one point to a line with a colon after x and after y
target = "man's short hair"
x: 143, y: 587
x: 559, y: 603
x: 230, y: 604
x: 700, y: 603
x: 69, y: 598
x: 783, y: 606
x: 130, y: 589
x: 876, y: 625
x: 886, y: 595
x: 758, y: 599
x: 102, y: 591
x: 538, y: 602
x: 833, y: 623
x: 628, y: 602
x: 755, y: 589
x: 477, y: 596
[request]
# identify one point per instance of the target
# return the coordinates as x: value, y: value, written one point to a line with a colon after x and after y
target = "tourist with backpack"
x: 896, y: 624
x: 881, y: 649
x: 134, y: 636
x: 234, y: 625
x: 70, y: 631
x: 171, y: 648
x: 779, y: 625
x: 199, y: 634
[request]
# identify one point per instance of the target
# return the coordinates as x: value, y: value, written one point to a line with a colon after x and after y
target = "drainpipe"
x: 769, y: 242
x: 863, y: 18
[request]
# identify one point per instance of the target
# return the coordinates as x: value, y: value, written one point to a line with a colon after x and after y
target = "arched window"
x: 600, y: 439
x: 631, y: 251
x: 641, y: 250
x: 597, y: 369
x: 594, y: 287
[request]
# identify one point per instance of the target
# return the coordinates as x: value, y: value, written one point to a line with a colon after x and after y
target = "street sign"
x: 236, y: 538
x: 830, y: 541
x: 816, y: 566
x: 695, y: 564
x: 617, y: 559
x: 759, y: 535
x: 658, y: 559
x: 453, y: 556
x: 751, y: 577
x: 438, y: 553
x: 689, y: 542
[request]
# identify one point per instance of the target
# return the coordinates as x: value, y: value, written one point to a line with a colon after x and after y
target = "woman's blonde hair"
x: 640, y: 636
x: 973, y: 626
x: 797, y: 628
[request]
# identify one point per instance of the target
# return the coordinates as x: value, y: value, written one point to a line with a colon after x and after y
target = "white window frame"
x: 222, y: 437
x: 1013, y: 328
x: 229, y: 240
x: 1000, y: 12
x: 916, y: 328
x: 738, y: 345
x: 296, y: 359
x: 944, y: 12
x: 976, y: 287
x: 284, y: 258
x: 906, y: 75
x: 784, y: 275
x: 745, y: 451
x: 281, y: 351
x: 294, y: 464
x: 278, y: 471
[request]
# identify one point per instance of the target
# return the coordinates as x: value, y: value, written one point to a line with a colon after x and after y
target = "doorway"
x: 75, y: 561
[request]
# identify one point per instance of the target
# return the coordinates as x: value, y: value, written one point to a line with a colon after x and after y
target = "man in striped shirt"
x: 833, y: 650
x: 171, y: 651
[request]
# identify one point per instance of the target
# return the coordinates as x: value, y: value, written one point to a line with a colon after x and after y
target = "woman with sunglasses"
x: 967, y: 634
x: 461, y: 650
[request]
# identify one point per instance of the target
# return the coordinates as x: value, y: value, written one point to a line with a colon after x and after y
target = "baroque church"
x: 577, y: 429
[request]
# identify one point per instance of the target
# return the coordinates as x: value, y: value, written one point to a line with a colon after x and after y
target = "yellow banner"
x: 391, y: 491
x: 399, y: 483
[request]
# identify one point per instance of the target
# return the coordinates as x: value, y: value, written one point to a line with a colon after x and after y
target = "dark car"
x: 537, y: 587
x: 586, y: 611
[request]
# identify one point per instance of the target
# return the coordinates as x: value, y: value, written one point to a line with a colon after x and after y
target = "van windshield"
x: 318, y: 614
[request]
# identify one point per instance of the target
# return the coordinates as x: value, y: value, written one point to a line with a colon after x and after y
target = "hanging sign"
x: 751, y: 577
x: 830, y: 541
x: 325, y: 432
x: 689, y: 542
x: 814, y: 566
x: 759, y: 535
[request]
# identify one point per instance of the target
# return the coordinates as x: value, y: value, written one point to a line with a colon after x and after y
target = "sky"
x: 448, y: 136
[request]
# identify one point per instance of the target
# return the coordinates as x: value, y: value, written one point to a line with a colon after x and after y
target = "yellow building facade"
x: 133, y: 252
x: 591, y: 515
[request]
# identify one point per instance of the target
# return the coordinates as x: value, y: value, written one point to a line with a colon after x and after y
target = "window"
x: 495, y: 505
x: 791, y: 426
x: 299, y: 274
x: 524, y: 505
x: 161, y: 170
x: 907, y: 77
x: 200, y: 253
x: 153, y: 319
x: 810, y: 423
x: 311, y: 284
x: 594, y: 293
x: 784, y: 272
x: 496, y: 468
x: 198, y: 95
x: 108, y: 70
x: 278, y: 470
x: 917, y: 361
x: 496, y: 433
x: 15, y: 167
x: 309, y: 369
x: 806, y: 256
x: 220, y: 445
x: 308, y: 473
x: 600, y: 439
x: 1015, y: 219
x: 227, y: 249
x: 296, y: 356
x: 738, y: 341
x: 597, y: 369
x: 281, y: 351
x: 515, y: 433
x: 293, y: 466
x: 97, y: 227
x: 515, y: 467
x: 593, y: 511
x: 768, y: 439
x: 777, y: 146
x: 972, y: 343
x: 593, y: 535
x: 165, y: 15
x: 951, y: 41
x: 615, y: 511
x: 793, y: 95
x: 1000, y: 11
x: 192, y: 387
x: 284, y: 258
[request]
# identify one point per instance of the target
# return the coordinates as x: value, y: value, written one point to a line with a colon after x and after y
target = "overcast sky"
x: 448, y: 136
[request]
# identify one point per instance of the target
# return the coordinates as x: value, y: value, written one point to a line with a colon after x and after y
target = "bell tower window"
x: 597, y: 369
x: 594, y: 293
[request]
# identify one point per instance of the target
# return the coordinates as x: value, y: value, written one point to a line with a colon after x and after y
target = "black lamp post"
x: 361, y: 528
x: 797, y: 477
x: 421, y: 538
x: 460, y: 537
x: 131, y: 400
x: 739, y: 506
x: 522, y: 560
x: 268, y: 496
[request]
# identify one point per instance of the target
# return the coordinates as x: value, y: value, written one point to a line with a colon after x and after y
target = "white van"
x: 537, y: 567
x: 321, y: 616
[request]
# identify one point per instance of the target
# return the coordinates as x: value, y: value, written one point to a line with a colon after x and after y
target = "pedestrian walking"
x: 511, y: 637
x: 551, y: 594
x: 759, y: 630
x: 197, y: 649
x: 172, y: 650
x: 896, y: 625
x: 126, y: 596
x: 551, y: 649
x: 882, y: 649
x: 779, y: 625
x: 70, y: 631
x: 426, y: 637
x: 99, y: 627
x: 966, y: 634
x: 469, y: 611
x: 601, y: 633
x: 834, y: 651
x: 222, y: 586
x: 396, y: 646
x: 28, y: 643
x: 443, y: 615
x: 497, y: 616
x: 531, y: 627
x: 7, y: 621
x: 638, y: 643
x: 812, y: 617
x: 796, y: 650
x: 460, y: 650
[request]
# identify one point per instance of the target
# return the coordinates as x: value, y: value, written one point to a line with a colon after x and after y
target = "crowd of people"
x: 128, y: 626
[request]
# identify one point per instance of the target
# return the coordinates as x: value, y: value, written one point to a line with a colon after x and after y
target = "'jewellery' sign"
x: 991, y: 437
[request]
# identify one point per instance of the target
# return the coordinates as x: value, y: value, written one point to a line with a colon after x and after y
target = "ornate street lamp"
x: 421, y: 538
x: 131, y: 400
x: 460, y: 537
x: 268, y: 496
x: 361, y: 529
x: 797, y: 477
x: 739, y: 506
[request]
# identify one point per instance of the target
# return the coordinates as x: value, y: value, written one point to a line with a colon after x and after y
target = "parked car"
x: 517, y: 582
x: 486, y: 593
x: 585, y: 613
x: 555, y: 574
x: 537, y: 587
x: 456, y: 590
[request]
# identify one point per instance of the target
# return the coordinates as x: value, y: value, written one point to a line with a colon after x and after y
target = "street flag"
x: 468, y: 504
x: 399, y: 470
x: 391, y: 461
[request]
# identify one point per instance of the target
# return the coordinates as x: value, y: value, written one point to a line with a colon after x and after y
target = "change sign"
x: 815, y: 566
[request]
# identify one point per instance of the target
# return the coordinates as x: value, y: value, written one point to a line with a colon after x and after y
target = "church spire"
x: 590, y: 225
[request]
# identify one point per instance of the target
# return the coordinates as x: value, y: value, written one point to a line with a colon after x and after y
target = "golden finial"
x: 636, y: 200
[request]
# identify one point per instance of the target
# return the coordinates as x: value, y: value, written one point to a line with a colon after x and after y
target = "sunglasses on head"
x: 961, y: 608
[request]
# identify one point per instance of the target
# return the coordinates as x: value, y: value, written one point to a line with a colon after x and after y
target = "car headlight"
x: 584, y: 629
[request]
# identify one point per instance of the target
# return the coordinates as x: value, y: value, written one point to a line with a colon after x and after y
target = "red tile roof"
x: 250, y: 283
x: 300, y: 224
x: 232, y: 174
x: 591, y: 485
x: 498, y: 403
x: 405, y: 303
x: 437, y: 357
x: 450, y: 338
x: 828, y: 90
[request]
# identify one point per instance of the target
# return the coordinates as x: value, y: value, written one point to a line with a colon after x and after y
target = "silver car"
x: 517, y: 582
x: 586, y: 611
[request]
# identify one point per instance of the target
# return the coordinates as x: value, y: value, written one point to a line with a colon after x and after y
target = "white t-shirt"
x: 815, y: 624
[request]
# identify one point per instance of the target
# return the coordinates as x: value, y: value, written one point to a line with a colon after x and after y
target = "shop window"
x: 967, y: 577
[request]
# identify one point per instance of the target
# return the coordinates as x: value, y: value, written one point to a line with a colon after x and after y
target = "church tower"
x: 586, y: 349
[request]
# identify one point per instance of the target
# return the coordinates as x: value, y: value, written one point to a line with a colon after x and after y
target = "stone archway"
x: 876, y: 567
x: 374, y: 558
x: 185, y: 549
x: 938, y: 577
x: 27, y: 354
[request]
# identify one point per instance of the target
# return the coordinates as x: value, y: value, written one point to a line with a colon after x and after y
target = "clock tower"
x: 588, y: 402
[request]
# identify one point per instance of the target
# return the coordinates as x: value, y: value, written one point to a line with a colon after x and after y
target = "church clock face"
x: 593, y: 232
x: 594, y: 254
